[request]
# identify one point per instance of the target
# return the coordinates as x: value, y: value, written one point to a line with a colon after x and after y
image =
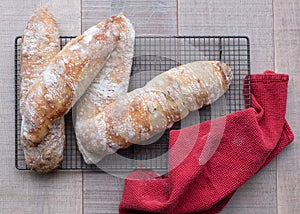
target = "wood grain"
x: 232, y: 17
x: 20, y: 191
x: 102, y: 192
x: 255, y: 20
x: 287, y: 53
x: 147, y: 16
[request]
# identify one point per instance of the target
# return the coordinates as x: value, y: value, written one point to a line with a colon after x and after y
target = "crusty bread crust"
x: 40, y: 43
x: 67, y: 76
x: 110, y: 83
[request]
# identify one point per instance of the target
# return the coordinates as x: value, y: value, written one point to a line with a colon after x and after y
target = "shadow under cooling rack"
x: 154, y: 55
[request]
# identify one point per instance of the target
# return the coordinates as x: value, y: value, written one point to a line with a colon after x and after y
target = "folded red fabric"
x: 209, y: 161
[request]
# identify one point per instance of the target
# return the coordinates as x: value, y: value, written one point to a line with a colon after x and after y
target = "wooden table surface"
x: 274, y: 31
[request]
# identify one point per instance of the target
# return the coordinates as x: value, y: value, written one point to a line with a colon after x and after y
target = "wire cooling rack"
x: 153, y: 55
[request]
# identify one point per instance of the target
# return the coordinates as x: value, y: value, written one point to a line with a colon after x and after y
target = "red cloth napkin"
x: 209, y: 161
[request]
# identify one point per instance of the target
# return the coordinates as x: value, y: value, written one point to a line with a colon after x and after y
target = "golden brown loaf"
x: 111, y: 82
x: 147, y: 111
x: 67, y: 76
x: 40, y: 43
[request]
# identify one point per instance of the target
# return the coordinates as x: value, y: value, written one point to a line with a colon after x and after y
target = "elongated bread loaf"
x: 147, y: 111
x: 40, y: 43
x: 67, y: 76
x: 111, y: 82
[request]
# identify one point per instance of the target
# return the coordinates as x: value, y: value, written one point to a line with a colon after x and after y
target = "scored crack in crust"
x: 39, y: 44
x: 144, y: 112
x: 110, y: 83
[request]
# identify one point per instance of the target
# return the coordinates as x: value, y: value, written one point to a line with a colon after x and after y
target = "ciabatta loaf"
x: 110, y: 83
x: 40, y: 43
x: 67, y: 76
x: 147, y: 111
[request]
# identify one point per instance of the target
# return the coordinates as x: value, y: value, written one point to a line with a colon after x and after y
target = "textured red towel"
x: 208, y: 162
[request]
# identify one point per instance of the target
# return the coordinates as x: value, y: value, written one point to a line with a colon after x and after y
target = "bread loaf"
x: 40, y: 43
x: 111, y: 82
x: 66, y: 78
x: 147, y: 111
